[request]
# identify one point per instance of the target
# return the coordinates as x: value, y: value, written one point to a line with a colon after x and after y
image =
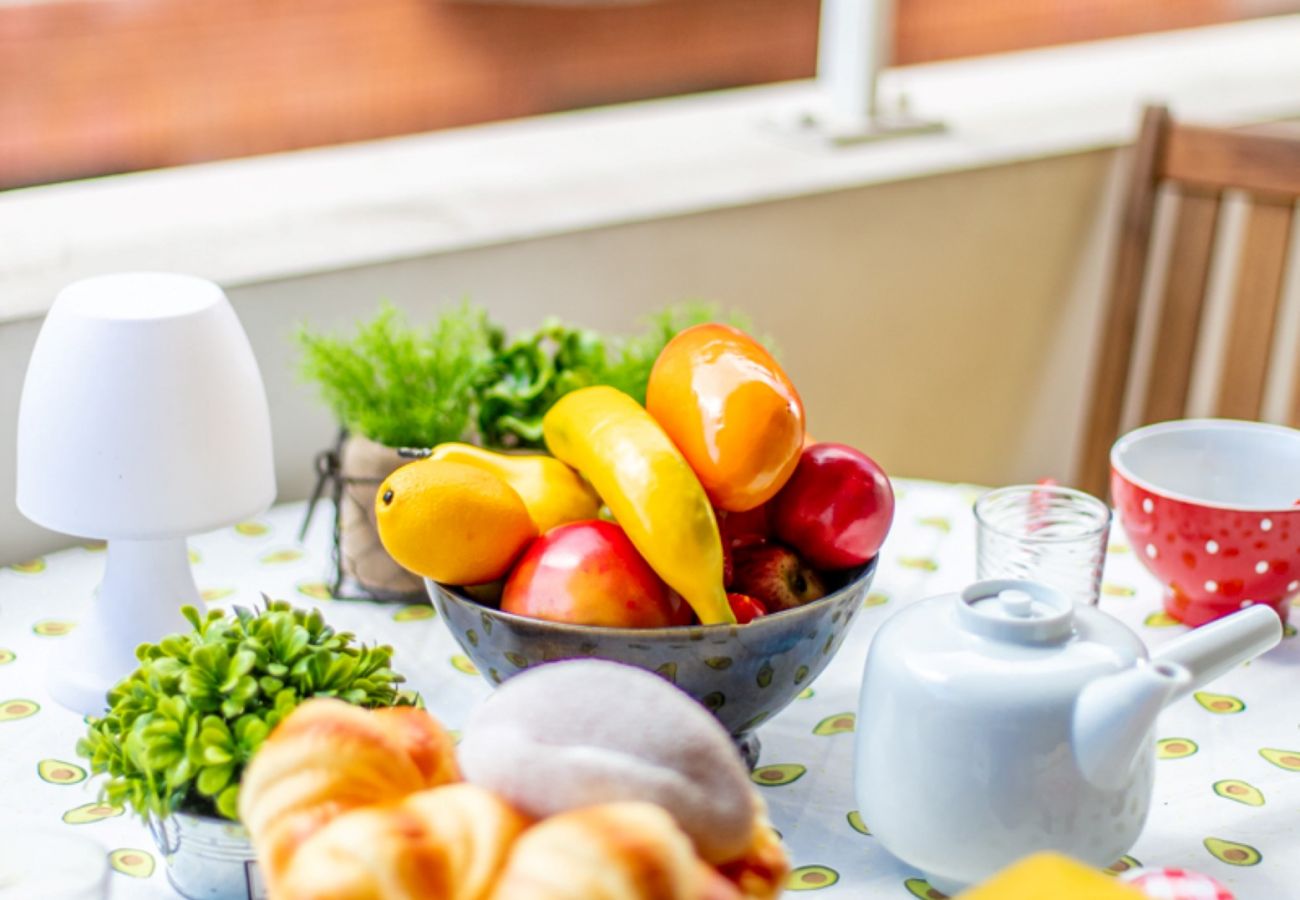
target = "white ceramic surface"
x: 1225, y: 463
x: 143, y: 420
x: 1005, y: 720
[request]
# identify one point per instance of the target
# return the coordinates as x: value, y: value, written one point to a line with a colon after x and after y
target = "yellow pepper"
x: 552, y: 492
x: 648, y: 486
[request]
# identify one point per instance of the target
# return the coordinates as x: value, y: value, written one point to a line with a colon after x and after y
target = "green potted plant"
x: 393, y: 386
x: 180, y: 728
x: 390, y: 385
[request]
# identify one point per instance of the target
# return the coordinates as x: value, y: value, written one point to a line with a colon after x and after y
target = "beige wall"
x: 941, y: 324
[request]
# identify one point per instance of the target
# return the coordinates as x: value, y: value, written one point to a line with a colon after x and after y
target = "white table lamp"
x: 143, y: 420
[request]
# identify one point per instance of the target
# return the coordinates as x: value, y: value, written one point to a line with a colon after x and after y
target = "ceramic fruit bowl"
x: 744, y: 674
x: 1212, y: 508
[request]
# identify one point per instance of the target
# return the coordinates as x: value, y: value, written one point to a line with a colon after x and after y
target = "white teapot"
x: 1005, y: 720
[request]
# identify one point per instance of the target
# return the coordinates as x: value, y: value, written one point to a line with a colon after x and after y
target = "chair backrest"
x: 1200, y: 164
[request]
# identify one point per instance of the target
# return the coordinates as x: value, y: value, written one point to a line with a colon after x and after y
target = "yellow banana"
x: 648, y: 486
x: 552, y: 492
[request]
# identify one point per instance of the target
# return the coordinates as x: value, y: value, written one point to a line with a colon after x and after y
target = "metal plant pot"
x: 208, y: 858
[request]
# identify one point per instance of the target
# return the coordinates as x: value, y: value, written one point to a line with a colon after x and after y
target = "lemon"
x: 452, y: 522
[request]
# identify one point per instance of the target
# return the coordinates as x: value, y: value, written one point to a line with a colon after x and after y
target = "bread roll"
x: 587, y: 732
x: 616, y: 851
x: 448, y: 843
x: 329, y: 757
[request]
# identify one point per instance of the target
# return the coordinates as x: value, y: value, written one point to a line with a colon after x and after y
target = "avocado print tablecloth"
x: 1227, y: 796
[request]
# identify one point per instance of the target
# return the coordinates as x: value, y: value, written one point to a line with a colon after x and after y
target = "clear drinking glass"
x: 1046, y: 533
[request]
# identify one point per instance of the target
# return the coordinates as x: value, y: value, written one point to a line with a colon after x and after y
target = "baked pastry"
x: 641, y: 797
x: 329, y: 757
x: 563, y: 736
x: 615, y: 851
x: 447, y: 843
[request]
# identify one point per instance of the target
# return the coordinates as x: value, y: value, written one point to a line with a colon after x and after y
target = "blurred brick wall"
x: 96, y: 86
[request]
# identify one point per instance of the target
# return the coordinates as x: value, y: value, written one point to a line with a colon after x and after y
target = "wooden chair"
x: 1201, y: 164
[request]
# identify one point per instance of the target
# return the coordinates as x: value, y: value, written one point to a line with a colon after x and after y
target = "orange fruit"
x: 452, y: 522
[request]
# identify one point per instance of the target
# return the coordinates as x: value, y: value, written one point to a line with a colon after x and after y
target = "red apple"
x: 745, y: 608
x: 776, y: 577
x: 741, y: 529
x: 588, y: 573
x: 836, y: 508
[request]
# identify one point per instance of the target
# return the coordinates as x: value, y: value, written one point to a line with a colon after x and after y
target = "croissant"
x: 447, y: 843
x: 329, y: 757
x: 614, y: 851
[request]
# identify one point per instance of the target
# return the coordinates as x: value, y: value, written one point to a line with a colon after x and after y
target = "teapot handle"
x: 1211, y: 650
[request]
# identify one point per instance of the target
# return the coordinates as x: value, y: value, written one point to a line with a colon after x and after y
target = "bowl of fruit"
x: 702, y: 536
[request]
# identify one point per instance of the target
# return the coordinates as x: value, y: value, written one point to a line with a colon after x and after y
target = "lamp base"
x: 145, y: 585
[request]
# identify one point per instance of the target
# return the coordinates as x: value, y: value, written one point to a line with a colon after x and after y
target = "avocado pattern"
x: 921, y: 563
x: 805, y: 694
x: 875, y: 599
x: 17, y: 709
x: 1232, y: 789
x: 840, y: 723
x: 252, y: 529
x: 56, y: 771
x: 413, y: 613
x: 1283, y: 759
x: 1160, y: 620
x: 91, y: 812
x: 210, y: 595
x: 919, y: 887
x: 275, y: 557
x: 1110, y: 589
x: 667, y: 671
x: 1233, y: 853
x: 1219, y: 704
x: 461, y: 663
x: 30, y: 567
x: 1175, y: 748
x: 856, y: 823
x: 939, y: 523
x: 811, y: 878
x: 317, y: 590
x: 764, y: 677
x: 53, y: 627
x: 1122, y: 865
x: 777, y: 774
x: 133, y: 862
x: 7, y: 656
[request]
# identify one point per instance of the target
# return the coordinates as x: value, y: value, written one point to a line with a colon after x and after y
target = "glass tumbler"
x: 1046, y: 533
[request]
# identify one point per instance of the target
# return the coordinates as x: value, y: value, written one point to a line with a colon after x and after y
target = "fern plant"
x: 399, y: 385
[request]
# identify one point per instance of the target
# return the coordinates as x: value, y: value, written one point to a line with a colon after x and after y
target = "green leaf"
x: 213, y: 778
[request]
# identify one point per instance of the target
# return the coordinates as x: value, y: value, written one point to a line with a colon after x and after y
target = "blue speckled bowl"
x: 744, y: 674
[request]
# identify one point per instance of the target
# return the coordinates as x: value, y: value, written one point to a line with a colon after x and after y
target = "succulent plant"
x: 181, y: 727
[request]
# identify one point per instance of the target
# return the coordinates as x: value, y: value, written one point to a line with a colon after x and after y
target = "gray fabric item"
x: 577, y: 733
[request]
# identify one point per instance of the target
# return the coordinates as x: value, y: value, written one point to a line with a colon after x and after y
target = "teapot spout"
x: 1211, y: 650
x: 1113, y: 715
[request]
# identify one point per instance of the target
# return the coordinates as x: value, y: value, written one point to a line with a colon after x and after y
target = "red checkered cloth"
x: 1176, y: 884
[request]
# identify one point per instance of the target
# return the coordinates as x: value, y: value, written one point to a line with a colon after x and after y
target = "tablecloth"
x: 929, y: 551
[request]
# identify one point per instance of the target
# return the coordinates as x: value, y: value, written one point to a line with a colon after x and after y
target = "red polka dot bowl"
x: 1212, y: 508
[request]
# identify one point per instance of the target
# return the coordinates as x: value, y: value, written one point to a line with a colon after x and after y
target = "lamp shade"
x: 143, y: 415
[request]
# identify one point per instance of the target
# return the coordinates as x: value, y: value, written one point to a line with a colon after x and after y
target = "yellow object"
x: 1050, y: 876
x: 648, y: 486
x: 451, y: 522
x: 553, y: 493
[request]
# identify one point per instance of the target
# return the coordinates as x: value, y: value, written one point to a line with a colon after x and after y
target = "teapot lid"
x: 1017, y: 612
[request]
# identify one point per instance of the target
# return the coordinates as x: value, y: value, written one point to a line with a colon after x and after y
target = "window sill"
x: 275, y: 217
